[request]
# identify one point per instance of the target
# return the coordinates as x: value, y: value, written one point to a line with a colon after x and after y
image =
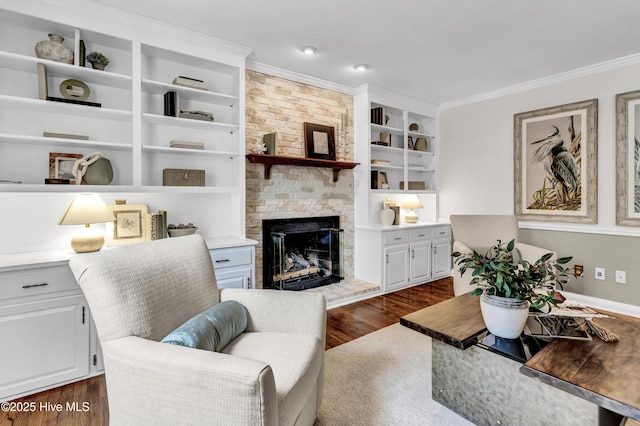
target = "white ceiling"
x: 436, y: 50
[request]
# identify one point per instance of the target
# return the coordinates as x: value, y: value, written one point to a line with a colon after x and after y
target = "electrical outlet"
x: 621, y: 277
x: 600, y: 274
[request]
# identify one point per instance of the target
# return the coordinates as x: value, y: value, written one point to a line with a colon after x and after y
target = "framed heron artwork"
x: 555, y: 163
x: 628, y: 158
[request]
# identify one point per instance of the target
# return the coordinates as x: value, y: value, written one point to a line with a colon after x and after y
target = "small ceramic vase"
x: 387, y: 216
x: 54, y: 50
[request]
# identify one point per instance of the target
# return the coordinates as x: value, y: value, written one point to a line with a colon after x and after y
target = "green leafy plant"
x: 97, y: 57
x: 502, y: 272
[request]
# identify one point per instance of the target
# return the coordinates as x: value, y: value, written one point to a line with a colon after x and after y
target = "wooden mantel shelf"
x: 271, y: 160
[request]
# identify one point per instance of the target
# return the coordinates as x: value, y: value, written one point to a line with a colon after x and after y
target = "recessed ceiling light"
x: 309, y: 50
x: 361, y: 67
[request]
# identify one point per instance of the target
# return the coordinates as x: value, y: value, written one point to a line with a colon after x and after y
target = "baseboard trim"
x: 607, y: 305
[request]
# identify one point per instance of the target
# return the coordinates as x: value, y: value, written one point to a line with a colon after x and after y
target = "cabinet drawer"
x: 36, y: 281
x: 420, y: 234
x: 396, y: 237
x: 226, y: 258
x: 442, y: 232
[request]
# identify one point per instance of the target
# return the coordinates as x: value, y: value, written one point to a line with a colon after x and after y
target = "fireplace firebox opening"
x: 302, y: 253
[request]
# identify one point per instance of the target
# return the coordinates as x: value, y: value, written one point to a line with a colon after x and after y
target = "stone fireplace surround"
x: 274, y: 104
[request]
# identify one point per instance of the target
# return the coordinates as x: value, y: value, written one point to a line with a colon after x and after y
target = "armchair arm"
x: 179, y: 385
x: 282, y: 311
x: 461, y: 247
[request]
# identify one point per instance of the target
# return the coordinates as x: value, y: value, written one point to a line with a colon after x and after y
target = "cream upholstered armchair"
x: 479, y: 232
x: 270, y: 374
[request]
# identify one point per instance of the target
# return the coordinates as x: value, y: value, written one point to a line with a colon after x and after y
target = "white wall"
x: 477, y: 167
x: 476, y: 146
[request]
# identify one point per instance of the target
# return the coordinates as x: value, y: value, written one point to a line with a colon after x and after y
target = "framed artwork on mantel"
x: 319, y: 141
x: 555, y: 160
x: 628, y: 158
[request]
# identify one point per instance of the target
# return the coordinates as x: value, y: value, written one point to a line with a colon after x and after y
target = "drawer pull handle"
x: 223, y: 260
x: 442, y: 233
x: 35, y: 285
x: 397, y: 238
x: 421, y: 235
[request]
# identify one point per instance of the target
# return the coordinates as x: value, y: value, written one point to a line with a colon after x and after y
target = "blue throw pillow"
x: 212, y: 329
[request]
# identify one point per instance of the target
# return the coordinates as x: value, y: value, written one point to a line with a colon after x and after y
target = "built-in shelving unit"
x: 130, y: 127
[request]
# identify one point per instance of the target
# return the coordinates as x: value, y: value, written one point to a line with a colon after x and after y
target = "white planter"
x: 504, y: 317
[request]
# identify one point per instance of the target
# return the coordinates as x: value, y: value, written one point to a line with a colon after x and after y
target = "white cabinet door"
x: 441, y: 258
x: 420, y: 263
x: 234, y: 277
x: 44, y: 342
x: 396, y: 267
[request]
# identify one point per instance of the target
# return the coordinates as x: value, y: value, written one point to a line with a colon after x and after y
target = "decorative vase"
x: 387, y: 216
x: 504, y: 317
x: 54, y: 50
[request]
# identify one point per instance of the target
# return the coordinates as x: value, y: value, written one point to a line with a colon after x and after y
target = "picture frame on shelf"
x: 555, y: 160
x: 379, y: 180
x: 410, y: 144
x: 319, y: 141
x: 61, y: 165
x: 128, y: 225
x: 628, y: 158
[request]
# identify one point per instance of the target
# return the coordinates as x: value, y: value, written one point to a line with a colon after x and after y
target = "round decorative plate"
x: 74, y: 89
x: 413, y: 127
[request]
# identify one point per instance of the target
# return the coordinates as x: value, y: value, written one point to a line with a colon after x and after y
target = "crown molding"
x: 546, y: 81
x: 297, y: 77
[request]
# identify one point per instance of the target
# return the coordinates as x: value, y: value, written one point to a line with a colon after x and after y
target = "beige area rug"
x: 383, y: 378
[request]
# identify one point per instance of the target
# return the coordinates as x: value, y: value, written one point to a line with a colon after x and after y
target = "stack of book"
x: 196, y: 115
x: 193, y: 83
x: 49, y: 133
x: 171, y: 104
x: 186, y: 144
x: 157, y: 225
x: 378, y: 116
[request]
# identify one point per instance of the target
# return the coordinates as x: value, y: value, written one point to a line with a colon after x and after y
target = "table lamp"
x: 411, y: 202
x: 85, y: 209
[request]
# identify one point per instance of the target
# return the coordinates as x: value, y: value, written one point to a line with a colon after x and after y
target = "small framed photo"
x: 319, y: 141
x: 128, y: 226
x: 61, y: 165
x: 410, y: 144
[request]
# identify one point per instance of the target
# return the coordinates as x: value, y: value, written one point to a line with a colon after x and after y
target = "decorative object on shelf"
x: 85, y: 209
x: 181, y: 230
x: 82, y: 54
x: 43, y: 86
x: 183, y: 177
x: 421, y: 144
x: 191, y: 82
x: 50, y: 133
x: 270, y: 140
x: 414, y: 127
x: 411, y: 202
x: 385, y: 137
x: 98, y: 60
x: 319, y: 141
x: 186, y: 144
x: 74, y: 101
x: 387, y: 215
x: 509, y: 284
x: 171, y: 103
x: 414, y: 185
x: 61, y: 165
x: 379, y: 162
x: 550, y: 143
x: 54, y: 50
x: 93, y: 169
x: 378, y: 116
x: 196, y: 115
x: 127, y: 225
x: 258, y: 148
x: 379, y: 180
x: 410, y: 144
x: 74, y: 89
x: 156, y: 226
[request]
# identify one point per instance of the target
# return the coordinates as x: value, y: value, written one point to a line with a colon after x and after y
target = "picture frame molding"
x: 311, y: 143
x: 55, y: 158
x: 589, y: 195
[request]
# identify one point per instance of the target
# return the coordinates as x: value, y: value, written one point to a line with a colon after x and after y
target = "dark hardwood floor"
x: 344, y: 324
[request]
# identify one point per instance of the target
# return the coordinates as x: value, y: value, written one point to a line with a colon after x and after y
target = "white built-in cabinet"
x: 400, y: 257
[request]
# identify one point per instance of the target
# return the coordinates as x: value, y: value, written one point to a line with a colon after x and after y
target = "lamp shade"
x: 411, y: 202
x: 84, y: 209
